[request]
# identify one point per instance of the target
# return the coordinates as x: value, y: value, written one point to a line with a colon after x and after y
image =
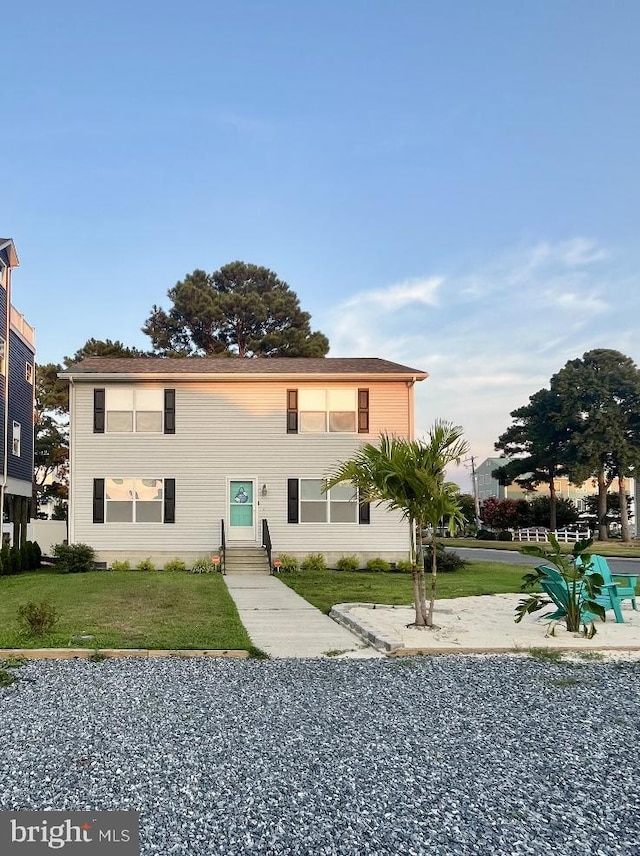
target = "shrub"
x: 505, y: 535
x: 378, y: 565
x: 74, y: 558
x: 28, y: 556
x: 121, y: 566
x: 289, y: 564
x: 6, y: 678
x: 314, y: 562
x: 15, y: 559
x: 36, y: 619
x: 446, y: 560
x: 145, y: 565
x: 347, y: 563
x: 203, y: 565
x: 404, y: 566
x: 37, y: 555
x: 175, y: 565
x: 485, y: 535
x: 2, y: 570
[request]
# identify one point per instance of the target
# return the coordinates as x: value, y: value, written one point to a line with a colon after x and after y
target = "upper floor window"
x: 3, y: 355
x: 138, y: 410
x: 28, y: 372
x: 15, y: 445
x: 327, y: 411
x: 127, y: 410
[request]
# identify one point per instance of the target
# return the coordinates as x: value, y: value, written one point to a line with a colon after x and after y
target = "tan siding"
x: 230, y: 429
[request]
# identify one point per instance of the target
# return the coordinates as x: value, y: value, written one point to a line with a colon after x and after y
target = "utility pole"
x: 474, y: 483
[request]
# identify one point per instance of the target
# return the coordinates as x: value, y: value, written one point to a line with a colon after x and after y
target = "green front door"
x: 241, y: 504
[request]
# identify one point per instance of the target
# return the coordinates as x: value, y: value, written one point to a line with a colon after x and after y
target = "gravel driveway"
x: 449, y: 755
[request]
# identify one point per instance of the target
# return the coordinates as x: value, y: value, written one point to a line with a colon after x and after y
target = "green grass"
x: 601, y: 548
x: 326, y: 588
x: 125, y: 609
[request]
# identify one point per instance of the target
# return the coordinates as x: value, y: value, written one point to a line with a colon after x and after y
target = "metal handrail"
x: 223, y: 548
x: 266, y: 542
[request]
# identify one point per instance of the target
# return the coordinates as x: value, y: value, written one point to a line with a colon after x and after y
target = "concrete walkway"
x: 283, y: 624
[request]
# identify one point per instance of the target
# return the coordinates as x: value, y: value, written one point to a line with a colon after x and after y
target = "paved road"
x: 514, y: 558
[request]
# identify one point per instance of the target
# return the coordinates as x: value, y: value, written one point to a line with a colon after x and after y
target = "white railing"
x: 566, y: 536
x: 20, y: 323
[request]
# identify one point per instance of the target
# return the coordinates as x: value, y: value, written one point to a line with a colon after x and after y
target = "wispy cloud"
x: 492, y: 336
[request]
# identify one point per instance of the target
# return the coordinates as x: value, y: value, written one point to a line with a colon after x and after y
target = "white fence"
x: 566, y: 536
x: 45, y: 532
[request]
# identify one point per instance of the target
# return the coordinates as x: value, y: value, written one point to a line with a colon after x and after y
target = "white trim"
x: 241, y: 533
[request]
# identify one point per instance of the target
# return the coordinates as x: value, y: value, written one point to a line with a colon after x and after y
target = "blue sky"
x: 453, y: 185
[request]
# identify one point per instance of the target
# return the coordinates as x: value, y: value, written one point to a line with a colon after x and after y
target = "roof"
x: 93, y: 368
x: 8, y: 252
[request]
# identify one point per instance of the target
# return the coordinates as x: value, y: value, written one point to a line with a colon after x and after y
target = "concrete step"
x: 246, y: 560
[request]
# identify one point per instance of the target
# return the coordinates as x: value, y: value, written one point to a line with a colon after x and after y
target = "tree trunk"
x: 417, y: 570
x: 624, y: 511
x: 552, y: 501
x: 603, y: 531
x: 434, y: 576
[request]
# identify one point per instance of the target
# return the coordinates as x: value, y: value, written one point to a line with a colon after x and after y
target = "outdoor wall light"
x: 264, y: 490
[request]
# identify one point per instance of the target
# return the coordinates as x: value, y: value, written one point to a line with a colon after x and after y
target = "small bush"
x: 36, y: 619
x: 288, y: 564
x: 145, y: 565
x: 404, y: 566
x: 2, y: 570
x: 485, y: 535
x: 446, y: 560
x: 505, y: 535
x: 378, y: 565
x: 314, y: 562
x: 6, y: 678
x: 15, y: 559
x: 175, y: 565
x: 203, y: 565
x: 37, y: 555
x: 348, y: 563
x: 121, y: 566
x: 74, y: 558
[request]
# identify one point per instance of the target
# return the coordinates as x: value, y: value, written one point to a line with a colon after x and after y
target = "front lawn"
x: 326, y: 588
x: 611, y: 548
x: 125, y: 609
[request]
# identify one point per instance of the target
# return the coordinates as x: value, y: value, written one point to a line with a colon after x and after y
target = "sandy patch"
x: 487, y: 624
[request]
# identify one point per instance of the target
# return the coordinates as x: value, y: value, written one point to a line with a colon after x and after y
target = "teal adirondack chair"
x: 555, y: 587
x: 615, y: 588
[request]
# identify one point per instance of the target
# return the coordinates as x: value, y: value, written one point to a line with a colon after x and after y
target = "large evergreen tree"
x: 600, y: 395
x: 240, y: 309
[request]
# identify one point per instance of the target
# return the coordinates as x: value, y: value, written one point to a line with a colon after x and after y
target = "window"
x: 134, y: 410
x: 327, y: 410
x: 28, y: 372
x: 3, y: 355
x: 134, y: 500
x: 17, y: 431
x: 338, y: 505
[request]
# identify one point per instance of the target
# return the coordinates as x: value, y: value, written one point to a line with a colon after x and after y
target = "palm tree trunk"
x: 434, y: 576
x: 419, y: 587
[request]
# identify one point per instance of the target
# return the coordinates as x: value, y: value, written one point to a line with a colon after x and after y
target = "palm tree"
x: 409, y: 476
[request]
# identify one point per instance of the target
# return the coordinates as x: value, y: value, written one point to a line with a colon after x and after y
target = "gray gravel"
x: 447, y: 755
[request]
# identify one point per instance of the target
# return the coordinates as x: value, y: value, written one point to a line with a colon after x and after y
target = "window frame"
x: 28, y: 372
x: 326, y: 410
x: 134, y: 411
x: 326, y: 498
x: 16, y: 437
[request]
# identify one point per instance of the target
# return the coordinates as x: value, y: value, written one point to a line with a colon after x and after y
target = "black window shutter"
x: 364, y: 512
x: 169, y: 500
x: 292, y: 501
x: 98, y: 500
x: 169, y: 411
x: 98, y: 411
x: 292, y: 411
x: 363, y: 411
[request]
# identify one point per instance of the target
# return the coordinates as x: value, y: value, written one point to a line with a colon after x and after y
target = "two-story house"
x: 166, y: 455
x: 17, y: 377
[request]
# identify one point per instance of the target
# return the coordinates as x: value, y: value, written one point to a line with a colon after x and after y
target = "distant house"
x: 17, y: 376
x: 168, y: 457
x: 488, y: 486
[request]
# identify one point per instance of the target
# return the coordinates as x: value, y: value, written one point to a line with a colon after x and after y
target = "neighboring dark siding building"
x: 17, y: 381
